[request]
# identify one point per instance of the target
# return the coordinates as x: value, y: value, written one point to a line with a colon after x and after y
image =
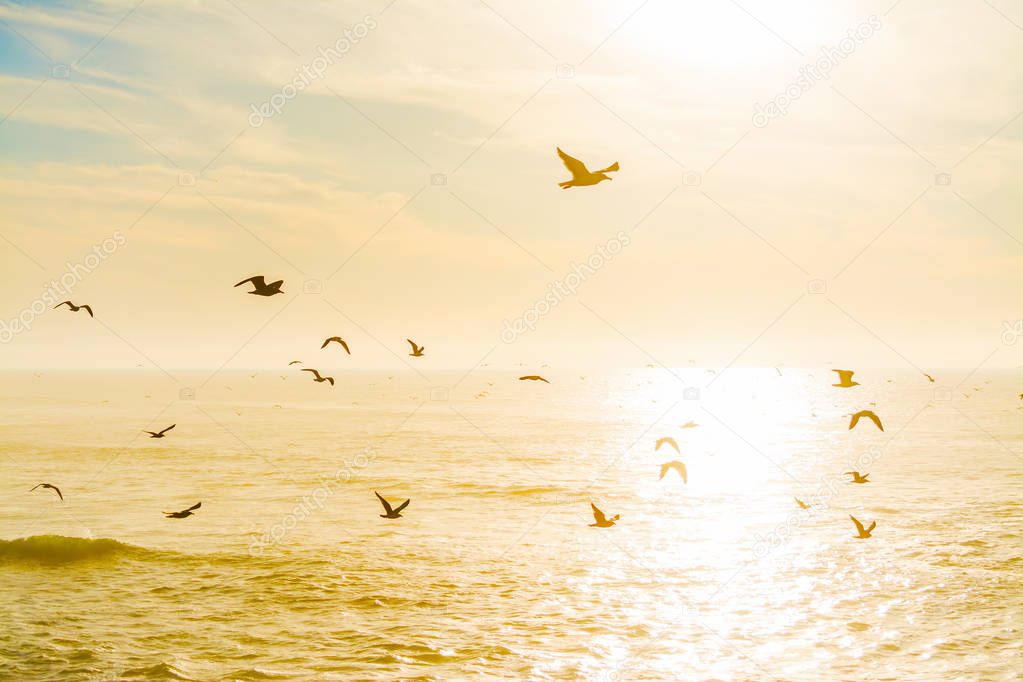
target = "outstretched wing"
x: 387, y: 506
x: 194, y: 506
x: 331, y: 380
x: 257, y: 281
x: 574, y: 166
x: 88, y: 309
x: 168, y: 428
x: 610, y: 169
x: 69, y: 304
x: 670, y: 441
x: 597, y: 514
x: 680, y: 468
x: 877, y: 420
x: 415, y: 348
x: 859, y: 526
x: 295, y: 362
x: 855, y: 419
x: 306, y: 369
x: 872, y: 526
x: 402, y: 506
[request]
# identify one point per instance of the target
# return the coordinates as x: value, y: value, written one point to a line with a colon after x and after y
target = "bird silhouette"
x: 845, y: 378
x: 317, y: 378
x: 183, y: 513
x: 533, y: 377
x: 294, y: 362
x: 677, y: 466
x: 417, y: 351
x: 929, y: 377
x: 75, y: 308
x: 159, y: 434
x: 857, y: 477
x: 667, y: 440
x: 336, y: 339
x: 863, y: 533
x: 601, y: 520
x: 690, y: 425
x: 391, y: 513
x: 581, y: 176
x: 261, y: 288
x: 869, y: 415
x: 51, y: 487
x: 802, y: 505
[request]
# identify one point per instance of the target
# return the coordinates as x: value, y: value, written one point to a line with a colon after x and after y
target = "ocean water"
x: 287, y: 571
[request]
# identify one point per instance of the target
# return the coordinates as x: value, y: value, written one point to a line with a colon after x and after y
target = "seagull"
x: 845, y: 378
x: 417, y: 351
x: 183, y: 513
x: 869, y: 415
x: 863, y: 532
x: 391, y: 513
x: 294, y: 362
x: 677, y: 466
x: 690, y: 425
x: 75, y: 308
x: 929, y: 377
x: 261, y: 288
x: 601, y: 520
x: 338, y: 339
x: 580, y: 175
x: 159, y: 434
x: 533, y: 377
x: 669, y: 440
x: 51, y: 487
x: 802, y: 505
x: 317, y: 378
x: 857, y: 477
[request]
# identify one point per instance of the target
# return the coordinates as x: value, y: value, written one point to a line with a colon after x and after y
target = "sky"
x: 788, y: 194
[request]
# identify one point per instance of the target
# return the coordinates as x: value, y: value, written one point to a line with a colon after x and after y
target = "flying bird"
x: 159, y: 434
x: 533, y: 377
x: 869, y: 415
x: 75, y: 308
x: 417, y: 351
x: 337, y: 339
x: 802, y: 505
x: 261, y: 288
x: 294, y: 362
x: 929, y: 377
x: 581, y: 176
x: 391, y: 513
x: 317, y: 378
x: 857, y: 477
x: 670, y: 441
x: 183, y: 513
x: 690, y: 425
x: 863, y: 533
x: 601, y: 520
x: 51, y: 487
x: 845, y: 378
x: 677, y: 466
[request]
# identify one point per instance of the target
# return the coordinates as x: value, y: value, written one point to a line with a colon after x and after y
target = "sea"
x: 288, y: 572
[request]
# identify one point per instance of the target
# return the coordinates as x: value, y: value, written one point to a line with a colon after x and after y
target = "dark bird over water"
x: 261, y: 288
x: 183, y: 513
x: 75, y: 308
x: 533, y: 377
x: 317, y: 378
x: 845, y: 378
x: 417, y: 351
x: 857, y: 477
x: 581, y: 176
x: 336, y: 339
x: 601, y: 520
x: 869, y: 415
x: 51, y: 487
x: 159, y: 434
x: 391, y: 513
x: 863, y: 532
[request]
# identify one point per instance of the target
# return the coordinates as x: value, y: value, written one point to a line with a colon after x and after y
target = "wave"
x: 61, y: 549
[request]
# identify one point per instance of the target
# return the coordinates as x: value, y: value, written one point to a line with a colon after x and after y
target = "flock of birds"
x: 581, y: 177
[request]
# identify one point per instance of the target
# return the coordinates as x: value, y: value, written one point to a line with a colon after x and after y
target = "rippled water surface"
x: 287, y: 571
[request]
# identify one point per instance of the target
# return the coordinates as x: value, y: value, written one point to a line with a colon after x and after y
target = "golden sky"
x: 397, y: 161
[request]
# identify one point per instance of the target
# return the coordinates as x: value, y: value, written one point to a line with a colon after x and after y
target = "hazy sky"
x: 824, y: 233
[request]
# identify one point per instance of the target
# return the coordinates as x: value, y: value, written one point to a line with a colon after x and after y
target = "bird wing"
x: 277, y: 284
x: 402, y: 506
x: 295, y: 362
x: 415, y: 348
x: 859, y: 526
x: 597, y: 514
x: 610, y: 169
x: 844, y: 374
x: 56, y: 490
x: 69, y: 304
x: 331, y: 380
x: 88, y: 309
x: 257, y: 281
x: 387, y: 506
x: 670, y: 441
x: 855, y: 419
x: 872, y: 526
x: 344, y: 345
x: 194, y: 506
x: 664, y: 469
x: 306, y: 369
x: 874, y: 418
x: 681, y: 469
x: 332, y: 338
x: 151, y: 433
x: 168, y: 428
x: 799, y: 501
x: 574, y: 166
